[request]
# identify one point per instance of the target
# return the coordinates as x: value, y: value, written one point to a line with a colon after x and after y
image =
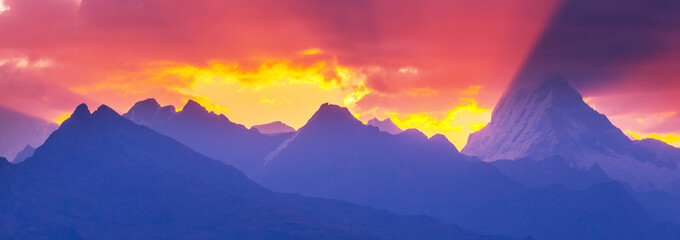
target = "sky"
x: 438, y: 66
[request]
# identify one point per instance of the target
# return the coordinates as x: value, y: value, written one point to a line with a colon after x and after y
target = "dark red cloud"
x: 453, y: 44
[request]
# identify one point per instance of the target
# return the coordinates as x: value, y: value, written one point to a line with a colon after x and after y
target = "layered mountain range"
x: 101, y: 176
x: 208, y: 133
x: 336, y: 156
x: 547, y: 166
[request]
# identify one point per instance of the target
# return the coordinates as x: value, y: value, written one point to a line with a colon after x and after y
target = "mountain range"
x: 101, y: 176
x: 336, y: 156
x: 547, y: 166
x: 210, y: 134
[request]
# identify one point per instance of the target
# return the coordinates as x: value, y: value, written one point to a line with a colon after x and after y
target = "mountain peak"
x: 4, y: 163
x: 105, y: 111
x: 332, y: 108
x: 413, y: 135
x: 333, y: 115
x: 149, y: 104
x: 562, y: 91
x: 441, y: 141
x: 193, y: 107
x: 273, y: 128
x: 27, y: 152
x: 144, y: 111
x: 549, y: 119
x: 82, y: 113
x: 385, y: 125
x: 556, y: 82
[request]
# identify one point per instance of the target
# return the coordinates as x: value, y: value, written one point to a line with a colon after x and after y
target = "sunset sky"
x: 439, y: 66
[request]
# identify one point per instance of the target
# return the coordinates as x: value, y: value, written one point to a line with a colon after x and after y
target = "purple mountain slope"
x: 662, y: 153
x: 100, y: 176
x: 208, y: 133
x: 552, y: 119
x: 276, y: 127
x: 385, y: 125
x: 18, y: 130
x: 552, y: 170
x: 335, y: 156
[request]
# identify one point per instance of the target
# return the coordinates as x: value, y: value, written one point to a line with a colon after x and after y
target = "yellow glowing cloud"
x: 359, y: 92
x: 272, y: 72
x: 273, y: 89
x: 670, y: 138
x: 311, y: 51
x: 456, y: 124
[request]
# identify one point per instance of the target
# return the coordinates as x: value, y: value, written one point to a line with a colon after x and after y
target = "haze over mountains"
x: 27, y: 152
x: 18, y: 130
x: 100, y: 176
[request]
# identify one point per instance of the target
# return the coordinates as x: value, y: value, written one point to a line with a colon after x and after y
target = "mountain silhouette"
x: 101, y: 176
x: 275, y: 127
x: 385, y: 125
x: 336, y: 156
x: 553, y: 119
x: 26, y: 153
x: 208, y: 133
x: 18, y: 130
x: 4, y: 164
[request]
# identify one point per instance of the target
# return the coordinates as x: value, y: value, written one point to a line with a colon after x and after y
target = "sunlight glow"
x: 269, y: 90
x: 62, y: 118
x: 670, y: 138
x: 456, y: 124
x: 311, y: 51
x: 3, y: 7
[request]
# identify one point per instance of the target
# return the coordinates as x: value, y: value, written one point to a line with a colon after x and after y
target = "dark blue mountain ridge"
x: 18, y: 130
x: 335, y: 156
x: 100, y: 176
x: 4, y: 164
